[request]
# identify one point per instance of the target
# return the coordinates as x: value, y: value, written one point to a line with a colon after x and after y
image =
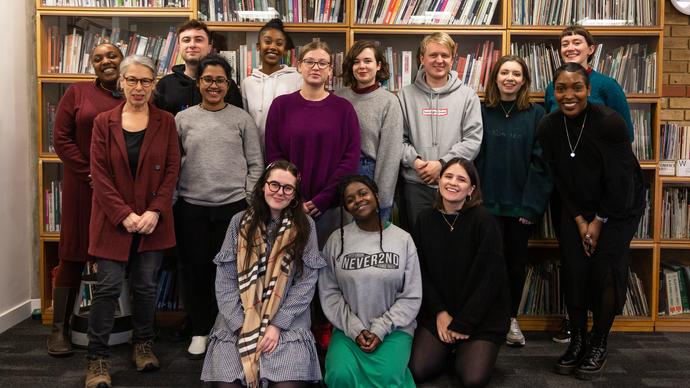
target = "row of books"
x: 49, y: 117
x: 474, y: 69
x: 674, y: 143
x: 674, y: 288
x: 675, y: 212
x: 69, y: 51
x: 400, y: 69
x: 290, y: 11
x: 642, y: 127
x: 545, y: 229
x: 633, y: 66
x: 118, y: 3
x: 589, y: 13
x: 542, y: 293
x: 168, y: 293
x: 246, y: 58
x: 442, y: 12
x: 52, y: 203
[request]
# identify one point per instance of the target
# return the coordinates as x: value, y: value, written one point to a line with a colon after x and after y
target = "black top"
x: 133, y: 140
x: 604, y: 176
x: 176, y: 92
x: 463, y: 271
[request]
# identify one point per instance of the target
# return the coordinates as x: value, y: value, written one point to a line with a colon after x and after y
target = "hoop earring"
x: 293, y: 203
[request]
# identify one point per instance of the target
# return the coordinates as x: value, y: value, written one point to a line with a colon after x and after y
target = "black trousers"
x: 515, y: 237
x: 200, y: 231
x: 584, y: 278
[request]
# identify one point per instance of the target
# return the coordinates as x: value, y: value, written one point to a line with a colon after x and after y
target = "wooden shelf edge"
x: 552, y: 323
x: 674, y: 179
x: 105, y: 12
x: 48, y: 8
x: 429, y: 27
x: 595, y: 30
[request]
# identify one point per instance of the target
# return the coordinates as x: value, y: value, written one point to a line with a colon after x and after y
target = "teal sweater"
x: 605, y: 91
x: 514, y: 178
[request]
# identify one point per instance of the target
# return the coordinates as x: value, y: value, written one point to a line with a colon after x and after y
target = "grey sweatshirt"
x: 221, y: 155
x: 381, y: 128
x: 365, y: 288
x: 439, y: 123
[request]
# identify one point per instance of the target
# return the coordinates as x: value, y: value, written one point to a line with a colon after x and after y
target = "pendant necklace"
x: 451, y: 226
x: 504, y: 109
x: 567, y: 135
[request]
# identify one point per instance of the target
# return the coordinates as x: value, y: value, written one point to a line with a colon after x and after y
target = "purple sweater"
x: 320, y: 137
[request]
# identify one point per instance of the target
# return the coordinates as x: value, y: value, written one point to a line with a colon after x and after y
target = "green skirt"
x: 386, y: 367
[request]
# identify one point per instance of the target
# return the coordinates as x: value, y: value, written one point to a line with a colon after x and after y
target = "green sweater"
x: 605, y: 91
x: 514, y: 178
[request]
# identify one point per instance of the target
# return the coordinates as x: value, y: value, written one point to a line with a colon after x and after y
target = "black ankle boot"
x: 575, y: 353
x: 594, y: 361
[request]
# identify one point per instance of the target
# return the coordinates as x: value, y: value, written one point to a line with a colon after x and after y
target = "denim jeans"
x: 143, y: 279
x: 367, y: 166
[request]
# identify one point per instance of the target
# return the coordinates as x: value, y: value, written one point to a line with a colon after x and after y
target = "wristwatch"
x: 603, y: 220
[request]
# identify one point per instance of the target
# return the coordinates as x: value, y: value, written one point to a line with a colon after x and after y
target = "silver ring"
x: 588, y: 236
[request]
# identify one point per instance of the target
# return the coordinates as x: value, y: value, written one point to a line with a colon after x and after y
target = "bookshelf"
x: 143, y: 26
x: 400, y: 25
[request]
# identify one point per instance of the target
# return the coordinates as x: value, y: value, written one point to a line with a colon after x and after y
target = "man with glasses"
x: 178, y: 90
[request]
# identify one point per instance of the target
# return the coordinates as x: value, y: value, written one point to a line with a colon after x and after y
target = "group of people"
x: 277, y: 188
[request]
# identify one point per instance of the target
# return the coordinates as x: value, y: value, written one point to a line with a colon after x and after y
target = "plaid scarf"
x: 262, y: 282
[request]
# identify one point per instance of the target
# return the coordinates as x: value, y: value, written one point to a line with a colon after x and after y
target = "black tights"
x: 473, y: 364
x: 282, y: 384
x: 603, y: 313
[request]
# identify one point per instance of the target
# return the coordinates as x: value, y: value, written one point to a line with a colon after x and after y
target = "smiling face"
x: 360, y: 201
x: 271, y: 47
x: 454, y: 186
x: 365, y: 67
x: 312, y: 74
x: 571, y: 91
x: 194, y: 45
x: 437, y: 60
x: 574, y: 48
x: 137, y: 94
x: 277, y: 201
x: 213, y: 93
x: 105, y: 60
x: 509, y: 80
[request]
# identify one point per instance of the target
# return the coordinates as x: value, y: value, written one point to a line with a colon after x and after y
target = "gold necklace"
x: 451, y: 226
x: 504, y: 109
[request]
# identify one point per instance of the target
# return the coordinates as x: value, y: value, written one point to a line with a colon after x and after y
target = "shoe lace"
x: 99, y: 367
x: 144, y: 348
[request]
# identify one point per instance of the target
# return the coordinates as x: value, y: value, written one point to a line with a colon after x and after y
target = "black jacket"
x: 176, y: 92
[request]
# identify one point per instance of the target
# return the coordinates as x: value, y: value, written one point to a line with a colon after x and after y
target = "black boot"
x: 58, y: 342
x: 594, y: 361
x: 575, y: 353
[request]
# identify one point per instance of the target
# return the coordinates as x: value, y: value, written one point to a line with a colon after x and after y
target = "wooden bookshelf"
x: 50, y: 87
x: 648, y: 253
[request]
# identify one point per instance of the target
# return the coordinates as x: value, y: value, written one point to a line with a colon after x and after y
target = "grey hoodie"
x: 439, y: 123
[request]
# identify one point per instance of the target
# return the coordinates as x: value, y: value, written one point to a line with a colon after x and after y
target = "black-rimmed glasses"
x: 319, y: 64
x: 133, y: 81
x: 274, y: 187
x: 208, y: 80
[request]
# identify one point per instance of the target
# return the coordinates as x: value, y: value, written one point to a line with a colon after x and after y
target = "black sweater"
x: 604, y: 176
x: 463, y: 271
x: 176, y: 92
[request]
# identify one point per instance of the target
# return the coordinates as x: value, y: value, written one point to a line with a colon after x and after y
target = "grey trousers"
x: 417, y: 198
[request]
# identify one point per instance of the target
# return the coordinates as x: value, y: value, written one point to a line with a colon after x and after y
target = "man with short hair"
x: 178, y: 91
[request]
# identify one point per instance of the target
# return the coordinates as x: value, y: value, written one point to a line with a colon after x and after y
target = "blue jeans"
x: 143, y: 279
x: 367, y: 166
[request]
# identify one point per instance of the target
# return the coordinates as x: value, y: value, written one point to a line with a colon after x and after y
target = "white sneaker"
x: 515, y: 336
x: 197, y: 349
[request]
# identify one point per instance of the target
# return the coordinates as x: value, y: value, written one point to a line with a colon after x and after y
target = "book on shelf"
x: 541, y: 293
x: 636, y: 299
x: 289, y: 11
x: 642, y: 127
x: 674, y: 217
x: 474, y: 68
x: 69, y: 49
x: 50, y: 112
x: 633, y: 65
x: 118, y: 3
x: 644, y: 228
x: 674, y: 142
x: 168, y: 293
x: 52, y: 203
x: 588, y: 13
x: 434, y: 12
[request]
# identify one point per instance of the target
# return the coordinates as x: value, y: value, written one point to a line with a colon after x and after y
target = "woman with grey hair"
x: 135, y: 159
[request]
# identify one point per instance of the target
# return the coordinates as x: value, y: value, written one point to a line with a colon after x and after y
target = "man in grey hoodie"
x: 442, y: 120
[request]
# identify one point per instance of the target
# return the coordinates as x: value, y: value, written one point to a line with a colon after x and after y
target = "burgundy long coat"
x: 72, y: 142
x: 116, y: 193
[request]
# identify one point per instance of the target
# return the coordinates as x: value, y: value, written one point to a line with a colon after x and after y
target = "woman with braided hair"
x: 265, y: 280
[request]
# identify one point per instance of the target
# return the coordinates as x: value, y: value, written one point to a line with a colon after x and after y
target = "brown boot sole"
x: 59, y: 353
x: 150, y: 367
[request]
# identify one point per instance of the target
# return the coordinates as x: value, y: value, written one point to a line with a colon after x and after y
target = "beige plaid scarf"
x: 262, y: 283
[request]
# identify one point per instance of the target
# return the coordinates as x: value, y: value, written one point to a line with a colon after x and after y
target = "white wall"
x: 18, y: 262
